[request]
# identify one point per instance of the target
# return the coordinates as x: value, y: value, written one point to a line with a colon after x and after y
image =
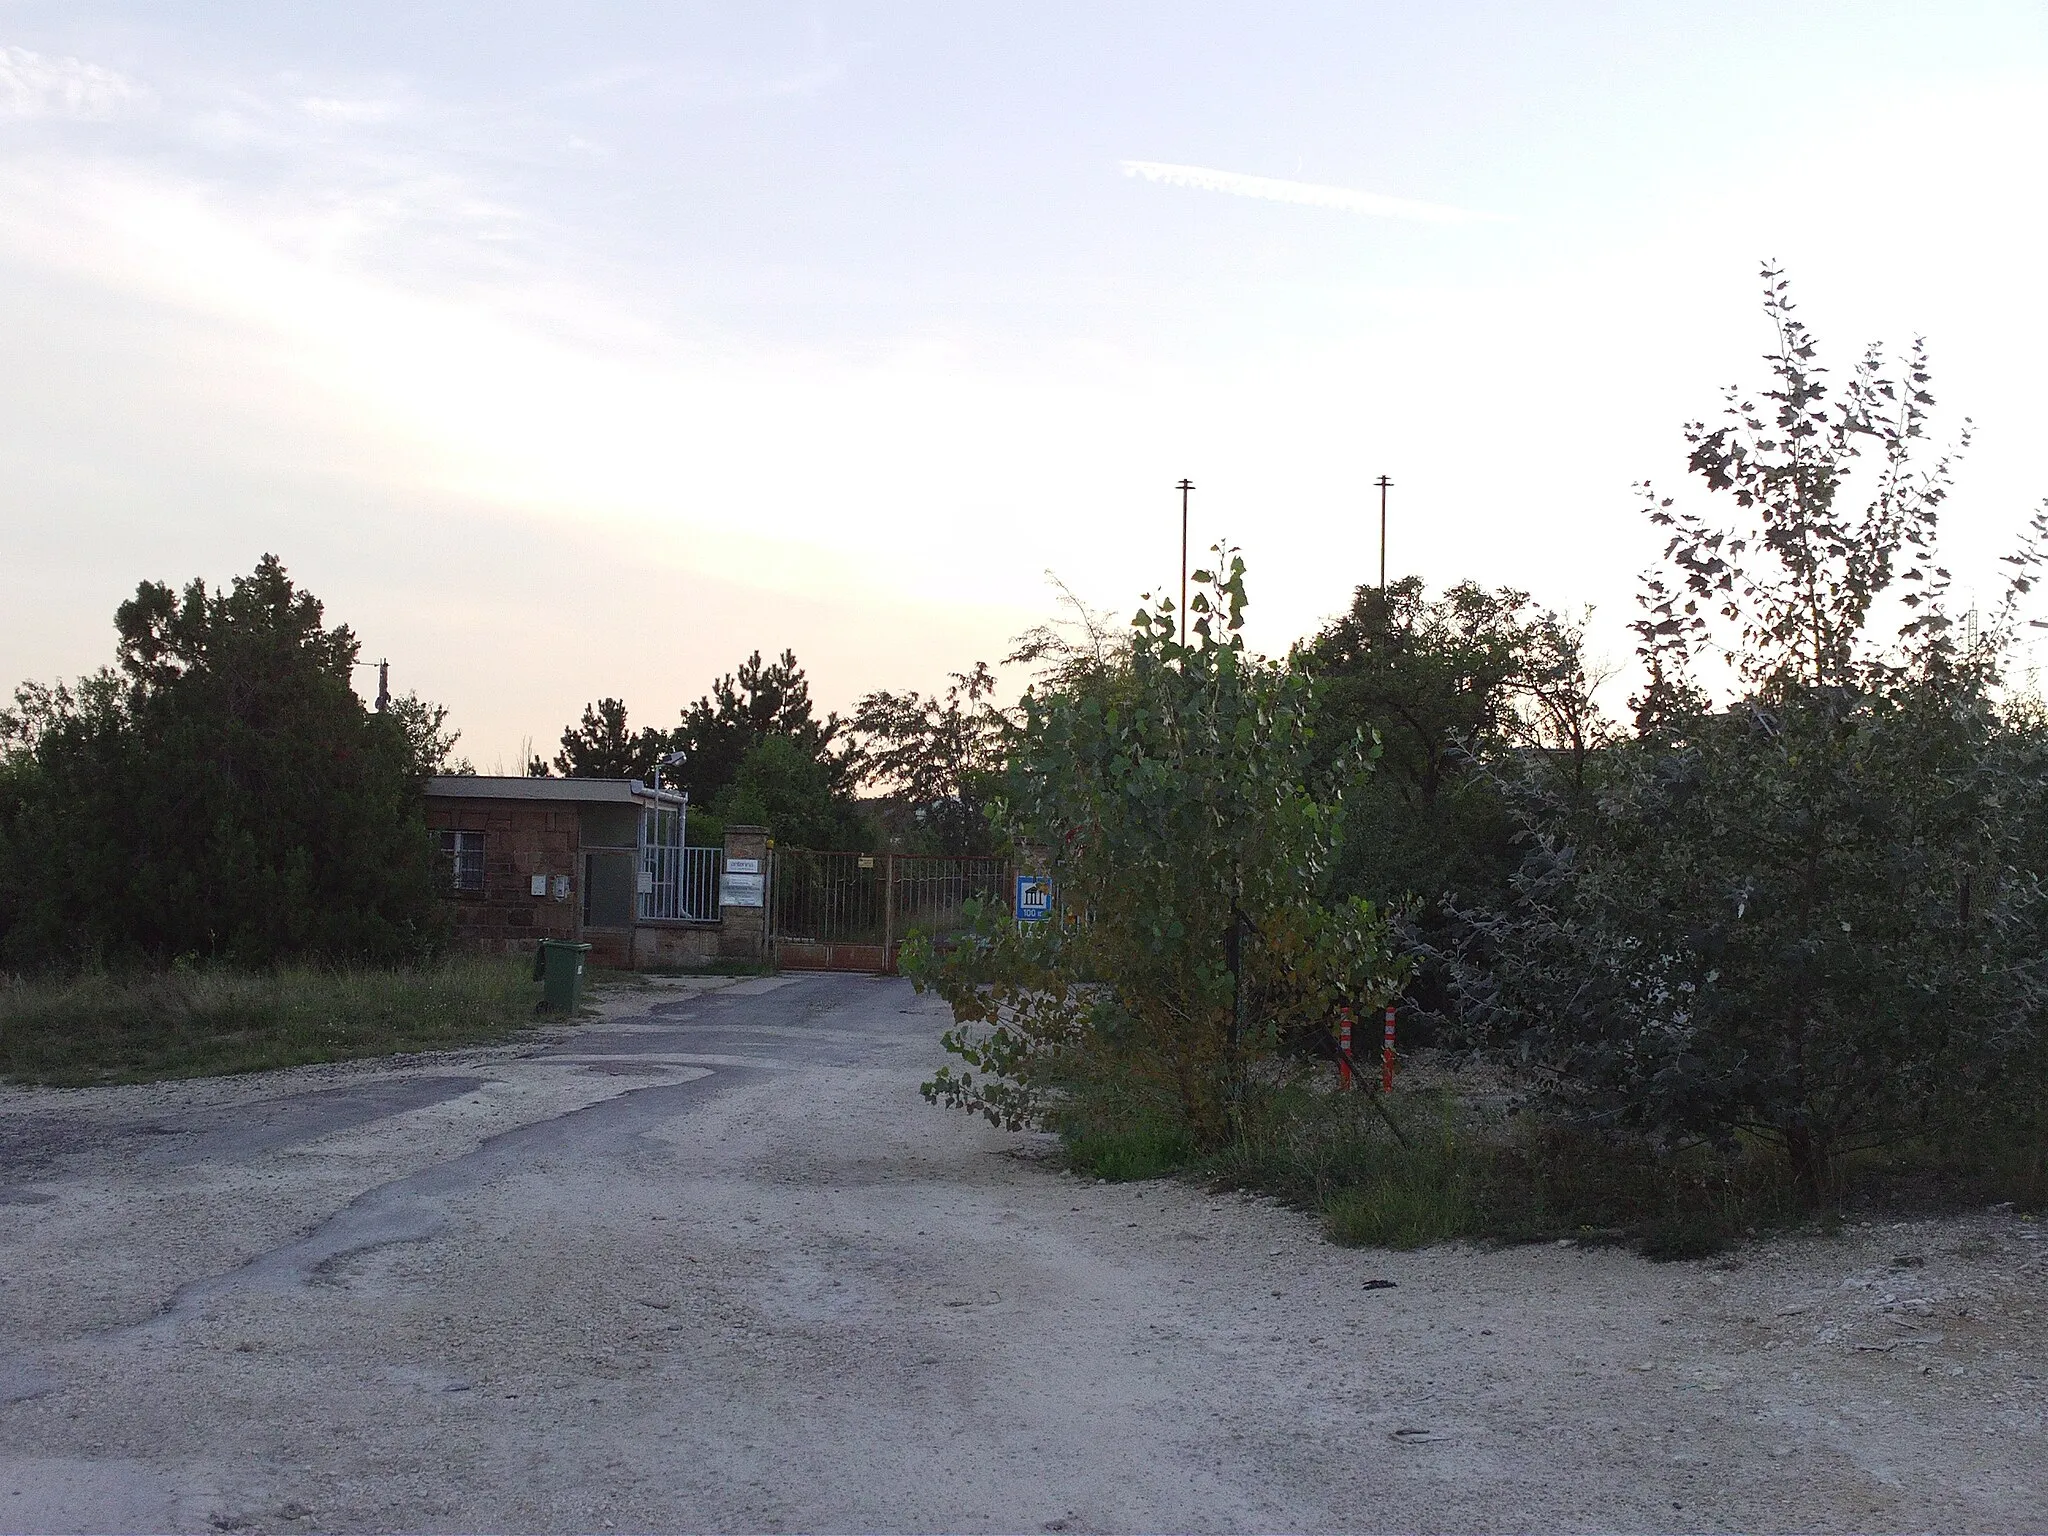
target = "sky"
x: 569, y: 351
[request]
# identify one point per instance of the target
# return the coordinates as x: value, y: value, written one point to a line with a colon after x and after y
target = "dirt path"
x: 715, y: 1266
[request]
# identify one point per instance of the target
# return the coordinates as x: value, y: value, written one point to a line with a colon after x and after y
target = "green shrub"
x: 1811, y: 913
x: 1427, y: 1167
x: 1176, y: 801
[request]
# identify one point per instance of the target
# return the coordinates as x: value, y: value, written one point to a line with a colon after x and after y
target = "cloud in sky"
x: 340, y: 109
x: 33, y: 86
x: 1308, y: 193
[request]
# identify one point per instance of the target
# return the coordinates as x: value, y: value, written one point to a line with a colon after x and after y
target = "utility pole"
x: 1184, y: 487
x: 383, y: 686
x: 1383, y: 483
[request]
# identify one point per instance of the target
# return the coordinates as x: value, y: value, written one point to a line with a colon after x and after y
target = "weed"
x: 1145, y: 1150
x: 1397, y: 1211
x: 1427, y: 1167
x: 1119, y: 1127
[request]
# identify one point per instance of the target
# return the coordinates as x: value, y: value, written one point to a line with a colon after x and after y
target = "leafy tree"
x: 1187, y: 826
x: 754, y: 750
x: 939, y: 760
x: 1435, y: 679
x: 222, y: 793
x: 1813, y: 914
x: 1449, y: 686
x: 781, y: 787
x: 1452, y: 686
x: 425, y: 724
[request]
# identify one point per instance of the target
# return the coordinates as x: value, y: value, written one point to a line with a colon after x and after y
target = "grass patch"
x: 98, y: 1028
x: 1146, y: 1149
x: 1118, y: 1130
x: 1398, y: 1212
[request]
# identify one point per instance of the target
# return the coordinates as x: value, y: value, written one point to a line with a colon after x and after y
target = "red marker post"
x: 1344, y: 1047
x: 1387, y: 1055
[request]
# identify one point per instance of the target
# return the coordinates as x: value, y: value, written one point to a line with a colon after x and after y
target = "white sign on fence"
x: 738, y: 888
x: 743, y: 866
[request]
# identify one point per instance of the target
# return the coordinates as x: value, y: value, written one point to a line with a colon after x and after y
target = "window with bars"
x: 463, y: 854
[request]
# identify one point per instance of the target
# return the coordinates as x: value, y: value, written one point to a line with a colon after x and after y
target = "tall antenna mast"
x: 1184, y: 487
x: 1384, y: 484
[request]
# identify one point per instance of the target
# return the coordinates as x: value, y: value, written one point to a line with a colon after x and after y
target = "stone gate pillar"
x: 742, y: 895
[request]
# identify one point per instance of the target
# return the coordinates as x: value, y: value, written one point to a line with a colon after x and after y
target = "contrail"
x: 1308, y: 192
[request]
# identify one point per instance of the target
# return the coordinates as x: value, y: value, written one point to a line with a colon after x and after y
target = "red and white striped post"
x: 1344, y: 1046
x: 1387, y: 1055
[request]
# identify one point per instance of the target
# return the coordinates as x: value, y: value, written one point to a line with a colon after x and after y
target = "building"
x: 602, y: 861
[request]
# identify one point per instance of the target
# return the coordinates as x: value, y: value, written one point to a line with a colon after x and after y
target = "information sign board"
x: 1034, y: 898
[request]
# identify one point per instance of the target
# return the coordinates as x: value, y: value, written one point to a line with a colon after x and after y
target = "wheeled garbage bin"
x: 558, y: 966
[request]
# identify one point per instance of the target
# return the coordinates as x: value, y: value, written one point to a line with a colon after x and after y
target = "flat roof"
x: 485, y: 786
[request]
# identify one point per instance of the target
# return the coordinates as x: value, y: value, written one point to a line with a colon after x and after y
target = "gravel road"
x: 711, y: 1264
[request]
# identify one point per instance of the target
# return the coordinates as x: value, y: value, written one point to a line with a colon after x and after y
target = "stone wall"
x: 675, y: 946
x: 521, y: 840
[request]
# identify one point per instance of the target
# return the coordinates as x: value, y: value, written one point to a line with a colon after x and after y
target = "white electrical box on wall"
x: 539, y: 886
x: 561, y: 887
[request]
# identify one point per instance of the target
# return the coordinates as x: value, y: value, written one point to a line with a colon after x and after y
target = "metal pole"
x: 1184, y: 487
x: 1383, y: 483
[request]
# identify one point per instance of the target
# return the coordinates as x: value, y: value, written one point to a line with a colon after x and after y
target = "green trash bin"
x: 558, y: 965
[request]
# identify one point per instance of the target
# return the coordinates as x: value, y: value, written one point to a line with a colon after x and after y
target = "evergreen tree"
x: 221, y: 793
x: 601, y: 746
x: 744, y: 709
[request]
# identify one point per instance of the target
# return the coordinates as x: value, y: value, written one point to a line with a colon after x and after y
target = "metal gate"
x: 850, y: 911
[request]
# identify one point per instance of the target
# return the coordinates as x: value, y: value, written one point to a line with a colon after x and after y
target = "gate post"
x: 888, y: 914
x: 743, y: 923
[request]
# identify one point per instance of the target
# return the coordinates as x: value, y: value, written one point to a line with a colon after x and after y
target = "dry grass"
x: 108, y: 1028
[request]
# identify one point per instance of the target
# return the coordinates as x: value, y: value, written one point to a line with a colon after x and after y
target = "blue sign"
x: 1034, y: 898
